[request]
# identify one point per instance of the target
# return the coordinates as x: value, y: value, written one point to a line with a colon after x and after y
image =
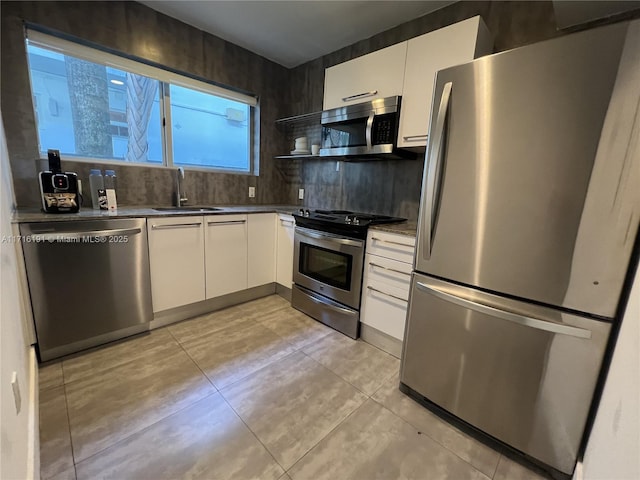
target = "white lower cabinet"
x: 226, y: 242
x: 284, y: 251
x: 176, y: 257
x: 385, y: 289
x: 197, y: 258
x: 261, y: 249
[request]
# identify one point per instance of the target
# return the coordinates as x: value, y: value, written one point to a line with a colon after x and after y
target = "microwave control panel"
x: 384, y: 130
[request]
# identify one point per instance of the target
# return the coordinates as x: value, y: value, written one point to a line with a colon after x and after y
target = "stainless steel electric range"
x: 329, y: 247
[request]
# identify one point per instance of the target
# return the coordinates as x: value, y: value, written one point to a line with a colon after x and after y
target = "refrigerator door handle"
x: 504, y: 315
x: 434, y: 172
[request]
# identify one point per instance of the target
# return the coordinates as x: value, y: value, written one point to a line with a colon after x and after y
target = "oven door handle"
x: 320, y: 236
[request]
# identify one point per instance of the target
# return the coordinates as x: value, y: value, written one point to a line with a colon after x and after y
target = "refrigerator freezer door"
x: 529, y: 186
x: 522, y: 373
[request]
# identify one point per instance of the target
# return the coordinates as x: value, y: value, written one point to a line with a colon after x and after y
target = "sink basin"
x: 187, y: 209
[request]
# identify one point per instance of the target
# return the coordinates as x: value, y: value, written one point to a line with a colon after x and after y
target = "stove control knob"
x: 347, y: 219
x: 301, y: 212
x: 307, y: 213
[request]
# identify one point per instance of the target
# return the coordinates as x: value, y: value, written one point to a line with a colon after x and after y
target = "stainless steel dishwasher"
x: 89, y: 282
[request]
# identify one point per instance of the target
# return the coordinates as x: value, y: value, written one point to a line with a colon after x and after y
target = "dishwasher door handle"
x: 71, y: 236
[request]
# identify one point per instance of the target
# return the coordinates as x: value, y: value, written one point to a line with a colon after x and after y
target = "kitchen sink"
x: 187, y: 209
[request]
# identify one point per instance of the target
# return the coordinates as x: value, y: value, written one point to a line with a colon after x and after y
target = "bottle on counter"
x: 110, y: 189
x: 96, y: 182
x: 109, y: 179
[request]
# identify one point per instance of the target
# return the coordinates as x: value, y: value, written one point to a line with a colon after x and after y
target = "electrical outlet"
x: 252, y: 192
x: 301, y: 194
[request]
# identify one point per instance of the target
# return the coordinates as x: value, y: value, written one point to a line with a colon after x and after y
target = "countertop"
x: 406, y: 228
x: 29, y: 215
x: 34, y: 215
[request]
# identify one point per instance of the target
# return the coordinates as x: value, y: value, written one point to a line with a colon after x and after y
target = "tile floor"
x: 255, y: 391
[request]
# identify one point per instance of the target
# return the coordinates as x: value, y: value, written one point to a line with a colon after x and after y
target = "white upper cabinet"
x: 453, y: 45
x: 176, y: 257
x: 377, y: 75
x: 226, y: 254
x: 262, y: 249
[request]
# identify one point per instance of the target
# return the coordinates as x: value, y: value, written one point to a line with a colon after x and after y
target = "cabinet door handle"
x: 287, y: 222
x: 389, y: 269
x: 415, y: 138
x: 360, y: 95
x: 176, y: 225
x: 387, y: 294
x: 228, y: 222
x: 391, y: 242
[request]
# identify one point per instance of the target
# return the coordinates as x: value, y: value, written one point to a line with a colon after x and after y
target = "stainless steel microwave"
x: 369, y: 128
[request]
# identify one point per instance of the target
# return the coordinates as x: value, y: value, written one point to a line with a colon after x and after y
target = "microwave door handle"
x: 434, y: 172
x: 369, y: 131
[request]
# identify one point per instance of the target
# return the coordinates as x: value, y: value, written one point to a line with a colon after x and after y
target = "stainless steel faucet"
x: 180, y: 197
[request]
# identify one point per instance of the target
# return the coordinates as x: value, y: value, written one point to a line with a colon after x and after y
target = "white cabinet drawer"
x: 385, y: 295
x: 384, y: 309
x: 391, y: 245
x: 380, y: 272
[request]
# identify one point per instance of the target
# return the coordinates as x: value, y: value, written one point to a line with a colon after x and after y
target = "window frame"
x: 166, y: 78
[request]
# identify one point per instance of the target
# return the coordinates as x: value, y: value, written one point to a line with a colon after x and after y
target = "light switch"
x: 252, y: 192
x: 301, y: 194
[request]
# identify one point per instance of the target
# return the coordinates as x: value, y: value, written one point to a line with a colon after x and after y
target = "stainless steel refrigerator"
x: 529, y: 213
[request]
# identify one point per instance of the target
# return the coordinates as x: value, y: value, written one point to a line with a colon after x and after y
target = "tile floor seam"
x: 328, y: 433
x: 383, y: 384
x: 496, y: 469
x: 66, y: 406
x: 252, y: 432
x: 436, y: 441
x: 137, y: 431
x: 193, y: 361
x: 344, y: 379
x: 143, y: 429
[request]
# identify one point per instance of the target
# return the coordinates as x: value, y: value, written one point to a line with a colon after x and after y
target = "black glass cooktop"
x: 343, y: 222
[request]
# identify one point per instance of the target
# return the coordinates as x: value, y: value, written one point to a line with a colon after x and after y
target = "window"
x: 92, y: 105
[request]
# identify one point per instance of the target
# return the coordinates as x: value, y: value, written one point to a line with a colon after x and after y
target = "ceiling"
x: 293, y: 32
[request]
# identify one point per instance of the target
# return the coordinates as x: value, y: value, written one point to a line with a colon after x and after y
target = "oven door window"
x: 326, y: 266
x: 348, y: 133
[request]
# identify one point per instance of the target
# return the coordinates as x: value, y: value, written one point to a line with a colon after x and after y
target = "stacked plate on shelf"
x: 301, y: 147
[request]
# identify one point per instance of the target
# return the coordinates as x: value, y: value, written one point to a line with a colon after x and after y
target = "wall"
x: 142, y: 33
x: 18, y: 434
x: 614, y: 443
x: 393, y: 187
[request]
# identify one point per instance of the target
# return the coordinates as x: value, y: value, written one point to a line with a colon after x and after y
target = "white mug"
x: 315, y: 149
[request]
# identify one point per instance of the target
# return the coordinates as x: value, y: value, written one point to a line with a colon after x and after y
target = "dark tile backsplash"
x: 385, y: 186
